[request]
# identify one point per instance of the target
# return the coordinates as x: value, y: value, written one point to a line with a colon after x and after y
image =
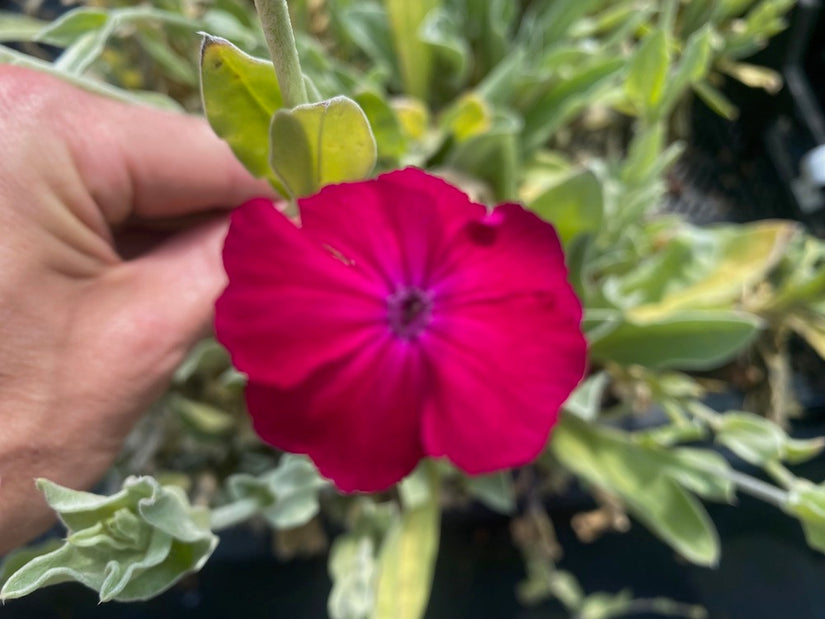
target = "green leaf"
x: 679, y: 386
x: 450, y: 52
x: 492, y: 155
x: 240, y: 95
x: 415, y: 489
x: 498, y: 85
x: 702, y: 471
x: 606, y: 605
x: 207, y: 358
x: 156, y: 99
x: 414, y: 54
x: 802, y: 278
x: 366, y: 25
x: 715, y: 100
x: 352, y: 568
x: 71, y: 26
x: 618, y: 34
x: 407, y: 562
x: 551, y: 21
x: 695, y: 339
x: 586, y: 399
x: 175, y: 66
x: 317, y: 144
x: 732, y: 8
x: 546, y: 169
x: 19, y: 557
x: 15, y: 27
x: 597, y: 323
x: 205, y: 419
x: 544, y: 581
x: 390, y: 139
x: 644, y: 153
x: 221, y: 22
x: 797, y: 451
x: 569, y: 97
x: 754, y: 439
x: 130, y: 546
x: 80, y: 55
x: 287, y: 496
x: 807, y: 502
x: 648, y: 71
x: 609, y: 460
x: 763, y: 21
x: 81, y: 510
x: 696, y: 13
x: 693, y: 66
x: 496, y: 23
x: 574, y: 206
x: 494, y: 491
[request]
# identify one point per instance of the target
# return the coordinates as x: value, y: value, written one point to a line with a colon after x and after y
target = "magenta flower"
x: 401, y: 320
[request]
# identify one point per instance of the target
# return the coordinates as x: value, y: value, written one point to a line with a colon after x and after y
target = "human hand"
x: 88, y: 338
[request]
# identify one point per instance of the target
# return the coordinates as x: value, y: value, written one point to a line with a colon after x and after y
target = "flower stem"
x: 780, y: 474
x: 231, y: 514
x: 274, y: 16
x: 759, y: 489
x: 704, y: 413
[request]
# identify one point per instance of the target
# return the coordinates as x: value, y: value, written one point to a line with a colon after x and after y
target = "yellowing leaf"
x: 316, y: 144
x: 240, y: 95
x: 407, y: 562
x: 754, y: 76
x: 468, y: 116
x: 812, y: 328
x: 744, y: 255
x: 643, y: 478
x: 413, y: 116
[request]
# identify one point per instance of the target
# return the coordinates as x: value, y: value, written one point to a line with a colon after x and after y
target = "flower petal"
x: 502, y: 371
x: 290, y: 306
x: 508, y: 251
x: 358, y: 419
x: 394, y: 226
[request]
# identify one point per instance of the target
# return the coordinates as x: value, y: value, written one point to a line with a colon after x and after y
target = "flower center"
x: 409, y: 311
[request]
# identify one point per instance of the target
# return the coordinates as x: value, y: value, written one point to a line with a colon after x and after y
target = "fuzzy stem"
x: 759, y: 489
x: 780, y: 474
x: 274, y: 16
x: 231, y: 514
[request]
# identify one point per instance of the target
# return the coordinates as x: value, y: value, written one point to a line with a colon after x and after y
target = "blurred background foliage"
x: 578, y: 109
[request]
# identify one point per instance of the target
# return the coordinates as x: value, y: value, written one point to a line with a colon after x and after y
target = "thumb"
x: 171, y: 293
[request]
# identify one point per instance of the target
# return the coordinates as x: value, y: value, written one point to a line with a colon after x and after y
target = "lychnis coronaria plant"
x: 400, y: 320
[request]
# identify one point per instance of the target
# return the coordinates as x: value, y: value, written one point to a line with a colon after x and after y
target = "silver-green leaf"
x: 130, y: 546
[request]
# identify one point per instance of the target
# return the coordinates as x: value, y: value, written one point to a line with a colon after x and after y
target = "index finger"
x: 137, y: 161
